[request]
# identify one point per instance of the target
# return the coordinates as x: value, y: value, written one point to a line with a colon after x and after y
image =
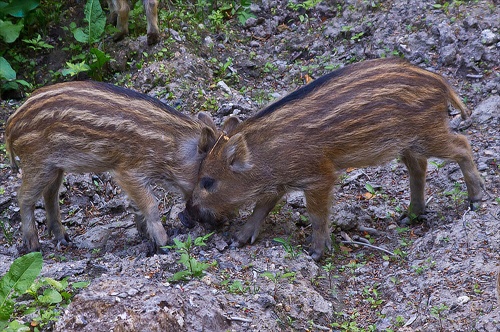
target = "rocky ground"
x: 439, y: 275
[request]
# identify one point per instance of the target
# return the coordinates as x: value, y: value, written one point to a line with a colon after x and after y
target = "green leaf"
x: 184, y: 260
x: 75, y: 69
x: 101, y: 58
x: 23, y: 82
x: 181, y: 275
x: 6, y: 71
x: 50, y: 296
x: 14, y: 326
x: 58, y: 285
x: 269, y: 275
x: 80, y: 35
x: 19, y: 8
x: 12, y: 85
x: 200, y: 241
x: 369, y: 188
x: 22, y: 273
x: 96, y: 20
x: 243, y: 16
x: 80, y: 284
x: 9, y: 31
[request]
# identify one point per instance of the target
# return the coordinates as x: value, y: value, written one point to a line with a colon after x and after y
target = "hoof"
x: 119, y: 36
x: 315, y: 255
x: 162, y: 250
x: 236, y: 243
x: 475, y: 205
x: 406, y: 219
x: 153, y: 38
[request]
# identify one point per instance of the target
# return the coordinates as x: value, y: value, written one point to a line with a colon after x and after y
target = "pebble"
x: 463, y: 300
x: 488, y: 37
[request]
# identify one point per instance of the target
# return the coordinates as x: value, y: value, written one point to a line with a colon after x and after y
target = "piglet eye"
x: 207, y: 183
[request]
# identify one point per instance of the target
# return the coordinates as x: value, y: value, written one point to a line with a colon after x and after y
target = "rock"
x: 223, y: 86
x: 250, y: 22
x: 462, y: 300
x: 487, y: 109
x: 448, y: 54
x: 488, y: 37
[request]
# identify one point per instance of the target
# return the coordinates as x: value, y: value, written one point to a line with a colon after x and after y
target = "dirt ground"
x: 435, y: 275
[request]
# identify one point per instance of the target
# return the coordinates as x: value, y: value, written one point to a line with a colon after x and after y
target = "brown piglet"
x: 95, y: 127
x: 361, y: 115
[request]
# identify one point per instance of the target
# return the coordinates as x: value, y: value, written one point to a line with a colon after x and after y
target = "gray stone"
x: 488, y: 37
x: 487, y: 109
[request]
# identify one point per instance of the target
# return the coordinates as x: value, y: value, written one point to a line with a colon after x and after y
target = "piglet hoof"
x: 119, y: 36
x: 474, y: 205
x: 62, y: 240
x: 315, y: 254
x: 237, y: 243
x: 163, y: 250
x: 406, y: 219
x: 30, y: 247
x: 61, y: 245
x: 186, y: 220
x: 153, y: 38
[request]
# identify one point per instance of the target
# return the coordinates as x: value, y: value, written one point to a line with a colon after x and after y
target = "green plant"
x: 277, y: 277
x: 437, y: 311
x: 21, y: 275
x: 37, y: 43
x: 291, y: 250
x: 306, y: 5
x: 47, y: 293
x: 329, y: 268
x: 193, y: 267
x: 46, y: 296
x: 357, y: 36
x: 400, y: 321
x: 457, y: 195
x: 269, y: 67
x: 222, y: 70
x: 370, y: 189
x: 235, y: 287
x: 91, y: 34
x: 7, y: 230
x: 372, y: 296
x: 437, y: 165
x: 348, y: 323
x: 477, y: 289
x: 74, y: 69
x: 12, y: 14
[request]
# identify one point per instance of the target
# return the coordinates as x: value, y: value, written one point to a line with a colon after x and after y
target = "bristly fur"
x: 362, y: 115
x: 95, y: 127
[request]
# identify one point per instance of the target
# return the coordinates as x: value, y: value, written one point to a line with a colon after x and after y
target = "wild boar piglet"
x: 361, y: 115
x: 95, y: 127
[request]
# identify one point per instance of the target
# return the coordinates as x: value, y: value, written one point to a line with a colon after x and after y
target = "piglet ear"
x: 207, y: 140
x: 230, y: 124
x: 237, y: 154
x: 207, y: 119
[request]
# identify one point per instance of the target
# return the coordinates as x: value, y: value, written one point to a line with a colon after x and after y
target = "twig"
x: 238, y: 319
x: 369, y: 245
x: 321, y: 327
x: 465, y: 227
x: 474, y: 76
